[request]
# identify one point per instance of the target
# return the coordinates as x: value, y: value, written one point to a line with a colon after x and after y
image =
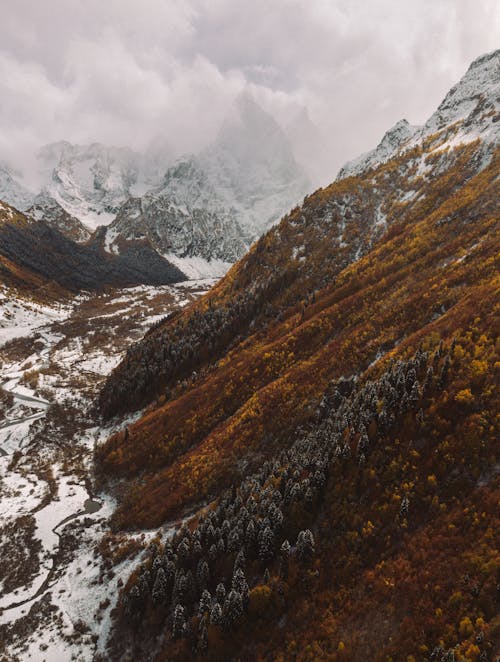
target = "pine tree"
x: 363, y: 444
x: 216, y: 614
x: 240, y: 584
x: 404, y: 507
x: 266, y: 544
x: 220, y: 594
x: 415, y: 392
x: 179, y: 622
x: 284, y: 560
x: 232, y: 610
x: 240, y: 561
x: 429, y: 377
x: 305, y: 546
x: 159, y: 592
x: 202, y: 574
x: 205, y: 603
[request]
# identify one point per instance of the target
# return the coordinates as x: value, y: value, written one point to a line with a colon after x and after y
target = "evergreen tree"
x: 159, y: 592
x: 404, y: 507
x: 216, y: 614
x: 202, y: 574
x: 220, y: 593
x: 305, y: 546
x: 266, y: 544
x: 284, y: 560
x: 178, y: 622
x: 240, y: 584
x: 205, y: 603
x: 232, y: 610
x: 240, y: 561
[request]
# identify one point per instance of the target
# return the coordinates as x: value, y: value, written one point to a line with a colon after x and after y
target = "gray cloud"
x: 131, y: 73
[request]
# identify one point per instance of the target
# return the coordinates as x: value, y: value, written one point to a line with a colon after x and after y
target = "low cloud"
x: 129, y: 73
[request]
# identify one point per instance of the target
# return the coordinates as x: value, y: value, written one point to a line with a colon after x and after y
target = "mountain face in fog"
x: 207, y: 206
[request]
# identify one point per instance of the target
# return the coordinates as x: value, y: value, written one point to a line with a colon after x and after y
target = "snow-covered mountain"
x: 46, y: 208
x: 91, y: 182
x: 252, y: 167
x: 184, y: 219
x: 210, y: 206
x: 393, y: 139
x: 473, y: 103
x: 12, y: 191
x: 203, y: 210
x: 470, y: 110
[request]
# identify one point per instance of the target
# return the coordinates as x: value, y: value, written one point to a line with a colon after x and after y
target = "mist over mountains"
x: 202, y: 207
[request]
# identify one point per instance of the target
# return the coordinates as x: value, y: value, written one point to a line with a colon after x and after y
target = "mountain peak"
x: 469, y: 110
x: 12, y: 190
x: 474, y: 96
x: 252, y: 166
x: 393, y: 139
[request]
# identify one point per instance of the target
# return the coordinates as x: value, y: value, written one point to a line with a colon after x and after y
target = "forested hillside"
x: 328, y: 415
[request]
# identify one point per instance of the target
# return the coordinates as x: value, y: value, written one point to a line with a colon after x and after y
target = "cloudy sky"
x: 133, y: 72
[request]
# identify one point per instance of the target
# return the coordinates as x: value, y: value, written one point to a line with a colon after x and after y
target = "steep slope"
x: 393, y: 140
x: 91, y: 181
x: 47, y: 209
x: 32, y: 250
x: 469, y: 110
x: 17, y: 280
x: 183, y: 217
x: 340, y: 378
x: 211, y: 205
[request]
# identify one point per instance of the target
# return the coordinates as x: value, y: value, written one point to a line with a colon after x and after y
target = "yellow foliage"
x: 466, y: 628
x: 479, y: 368
x: 465, y: 396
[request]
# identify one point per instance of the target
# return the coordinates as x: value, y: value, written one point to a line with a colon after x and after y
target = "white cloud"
x: 128, y: 73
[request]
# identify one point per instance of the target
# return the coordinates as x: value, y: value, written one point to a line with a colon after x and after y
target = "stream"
x: 89, y: 507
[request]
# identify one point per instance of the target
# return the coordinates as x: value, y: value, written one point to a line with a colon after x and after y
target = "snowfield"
x: 52, y: 360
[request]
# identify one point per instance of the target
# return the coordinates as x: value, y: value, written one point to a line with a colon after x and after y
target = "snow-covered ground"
x: 59, y: 607
x: 20, y: 317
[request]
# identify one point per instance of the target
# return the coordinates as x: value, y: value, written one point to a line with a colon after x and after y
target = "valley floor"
x: 60, y: 565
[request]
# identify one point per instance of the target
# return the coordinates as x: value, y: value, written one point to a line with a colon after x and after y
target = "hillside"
x: 32, y: 251
x: 327, y: 415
